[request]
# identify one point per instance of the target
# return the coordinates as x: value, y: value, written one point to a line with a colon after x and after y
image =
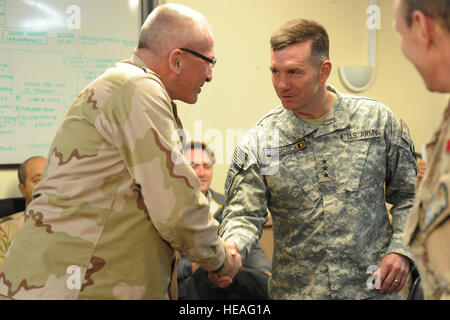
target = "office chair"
x: 416, y: 292
x: 11, y: 205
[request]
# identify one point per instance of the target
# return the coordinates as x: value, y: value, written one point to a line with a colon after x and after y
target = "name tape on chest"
x: 354, y: 135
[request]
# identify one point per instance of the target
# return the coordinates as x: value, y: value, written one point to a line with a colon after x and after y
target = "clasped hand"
x: 233, y: 265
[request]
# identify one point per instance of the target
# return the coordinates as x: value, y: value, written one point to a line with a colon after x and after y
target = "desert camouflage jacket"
x: 428, y: 228
x: 116, y: 198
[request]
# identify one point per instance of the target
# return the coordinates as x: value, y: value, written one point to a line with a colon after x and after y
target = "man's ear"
x: 424, y: 27
x: 325, y: 70
x: 22, y: 189
x: 176, y: 61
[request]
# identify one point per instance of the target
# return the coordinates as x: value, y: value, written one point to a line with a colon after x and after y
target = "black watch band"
x: 221, y: 267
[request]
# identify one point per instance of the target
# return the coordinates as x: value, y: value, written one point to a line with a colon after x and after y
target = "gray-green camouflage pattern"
x: 325, y: 190
x: 112, y: 204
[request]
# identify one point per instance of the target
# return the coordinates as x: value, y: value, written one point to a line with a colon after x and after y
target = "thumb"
x: 231, y: 246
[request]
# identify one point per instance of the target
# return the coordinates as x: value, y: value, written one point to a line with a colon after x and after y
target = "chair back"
x: 11, y: 205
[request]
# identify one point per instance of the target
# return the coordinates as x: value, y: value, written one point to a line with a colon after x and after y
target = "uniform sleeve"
x: 258, y: 260
x: 246, y: 192
x: 3, y: 243
x: 400, y: 182
x: 438, y: 255
x: 142, y: 126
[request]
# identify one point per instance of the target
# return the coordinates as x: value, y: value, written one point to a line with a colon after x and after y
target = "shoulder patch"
x: 239, y: 158
x: 237, y: 163
x: 437, y: 205
x: 405, y: 132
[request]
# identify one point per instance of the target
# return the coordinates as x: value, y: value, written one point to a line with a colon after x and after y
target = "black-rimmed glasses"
x: 211, y: 62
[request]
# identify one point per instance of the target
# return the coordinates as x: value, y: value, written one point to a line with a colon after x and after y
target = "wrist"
x: 220, y: 268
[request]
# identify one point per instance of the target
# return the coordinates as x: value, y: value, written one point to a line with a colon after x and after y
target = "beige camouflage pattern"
x: 428, y: 228
x: 325, y: 190
x: 8, y: 228
x: 114, y: 201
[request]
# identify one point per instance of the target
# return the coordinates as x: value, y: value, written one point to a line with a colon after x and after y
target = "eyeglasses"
x: 211, y: 62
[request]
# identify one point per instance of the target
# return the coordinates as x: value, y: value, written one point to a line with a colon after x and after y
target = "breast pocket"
x: 358, y: 144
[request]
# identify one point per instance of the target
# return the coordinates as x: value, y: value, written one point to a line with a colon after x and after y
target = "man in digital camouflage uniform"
x: 322, y: 164
x: 424, y: 26
x: 29, y: 174
x: 116, y: 197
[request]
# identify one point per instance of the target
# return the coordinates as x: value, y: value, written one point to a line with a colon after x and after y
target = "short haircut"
x: 200, y: 145
x: 302, y: 30
x: 439, y: 10
x: 22, y: 172
x: 172, y: 26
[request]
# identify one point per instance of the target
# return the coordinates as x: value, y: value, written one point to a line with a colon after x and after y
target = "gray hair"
x: 171, y: 26
x: 22, y: 172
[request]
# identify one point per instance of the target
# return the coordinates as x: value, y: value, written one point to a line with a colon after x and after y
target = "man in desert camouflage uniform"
x: 116, y: 197
x: 320, y: 164
x: 425, y: 29
x: 29, y: 175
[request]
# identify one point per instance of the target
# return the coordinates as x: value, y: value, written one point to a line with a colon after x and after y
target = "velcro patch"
x: 405, y: 132
x: 239, y: 157
x: 437, y: 205
x: 301, y: 144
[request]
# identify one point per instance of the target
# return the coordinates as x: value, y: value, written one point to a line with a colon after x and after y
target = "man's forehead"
x: 297, y: 53
x: 198, y: 155
x: 34, y: 165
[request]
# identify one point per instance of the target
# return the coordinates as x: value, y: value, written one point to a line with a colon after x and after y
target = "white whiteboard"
x: 49, y: 51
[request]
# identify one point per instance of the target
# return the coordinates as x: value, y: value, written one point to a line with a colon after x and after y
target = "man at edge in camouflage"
x: 424, y: 26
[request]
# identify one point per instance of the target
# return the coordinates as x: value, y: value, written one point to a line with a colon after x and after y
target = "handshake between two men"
x: 232, y: 266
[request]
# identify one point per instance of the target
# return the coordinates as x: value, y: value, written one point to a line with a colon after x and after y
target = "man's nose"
x: 283, y: 83
x: 200, y: 171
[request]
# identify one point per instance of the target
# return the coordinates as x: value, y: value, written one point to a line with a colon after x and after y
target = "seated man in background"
x: 29, y: 176
x: 193, y: 282
x: 422, y: 166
